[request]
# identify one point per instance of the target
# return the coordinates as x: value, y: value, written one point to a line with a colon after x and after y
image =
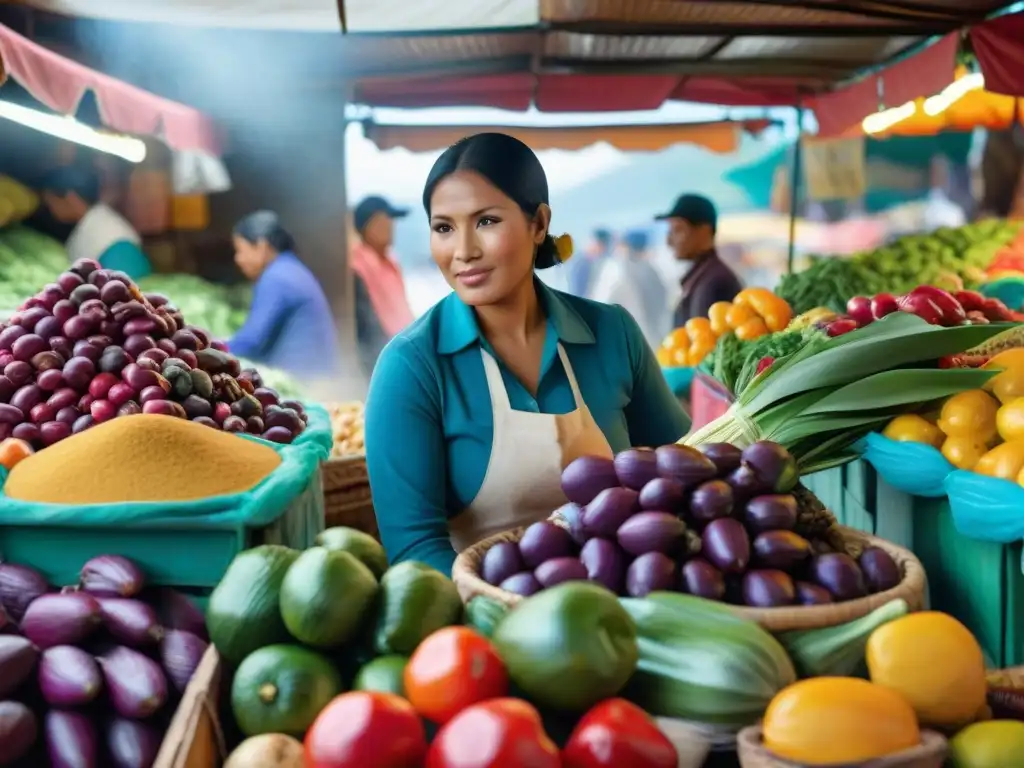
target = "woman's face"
x: 251, y: 258
x: 481, y: 239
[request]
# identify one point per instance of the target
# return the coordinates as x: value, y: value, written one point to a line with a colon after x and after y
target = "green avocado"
x: 385, y: 673
x: 360, y: 545
x: 281, y: 689
x: 483, y: 614
x: 243, y: 612
x: 568, y: 647
x: 416, y: 601
x: 326, y: 596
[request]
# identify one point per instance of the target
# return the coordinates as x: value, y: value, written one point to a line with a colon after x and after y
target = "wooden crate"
x: 195, y: 738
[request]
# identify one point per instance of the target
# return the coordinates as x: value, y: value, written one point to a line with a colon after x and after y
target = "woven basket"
x: 1006, y: 693
x: 930, y: 754
x: 466, y: 574
x: 347, y: 499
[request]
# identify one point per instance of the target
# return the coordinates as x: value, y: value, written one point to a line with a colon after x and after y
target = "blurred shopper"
x: 382, y: 308
x: 72, y: 195
x: 290, y: 325
x: 692, y: 224
x: 584, y: 269
x: 631, y: 281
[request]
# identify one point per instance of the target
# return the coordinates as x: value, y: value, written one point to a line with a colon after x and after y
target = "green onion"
x: 820, y: 400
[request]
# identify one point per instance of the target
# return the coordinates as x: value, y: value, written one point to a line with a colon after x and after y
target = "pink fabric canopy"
x: 61, y: 83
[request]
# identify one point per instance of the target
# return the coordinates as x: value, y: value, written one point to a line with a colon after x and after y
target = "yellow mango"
x: 970, y: 414
x: 1010, y: 420
x: 910, y: 428
x: 935, y: 663
x: 963, y: 452
x: 1005, y: 461
x: 838, y: 720
x: 993, y: 744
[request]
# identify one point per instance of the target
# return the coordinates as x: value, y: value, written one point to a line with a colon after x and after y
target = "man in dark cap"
x: 382, y: 309
x: 692, y: 223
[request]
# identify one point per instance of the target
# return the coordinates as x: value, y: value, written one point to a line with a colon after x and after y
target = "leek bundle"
x: 820, y: 400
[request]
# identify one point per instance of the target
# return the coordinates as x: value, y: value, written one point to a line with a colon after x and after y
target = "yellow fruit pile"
x: 927, y: 671
x: 753, y: 313
x: 980, y: 429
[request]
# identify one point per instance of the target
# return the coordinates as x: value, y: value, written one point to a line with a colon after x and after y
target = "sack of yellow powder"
x: 142, y: 458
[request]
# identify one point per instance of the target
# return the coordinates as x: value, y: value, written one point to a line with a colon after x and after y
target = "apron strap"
x: 496, y: 385
x: 571, y: 376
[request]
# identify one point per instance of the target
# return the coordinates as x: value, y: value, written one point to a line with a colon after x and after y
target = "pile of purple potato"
x: 91, y: 347
x: 713, y: 521
x: 91, y: 675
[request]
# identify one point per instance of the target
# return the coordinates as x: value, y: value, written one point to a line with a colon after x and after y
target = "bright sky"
x: 372, y: 171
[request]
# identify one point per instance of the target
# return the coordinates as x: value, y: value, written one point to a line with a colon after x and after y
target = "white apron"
x: 523, y: 481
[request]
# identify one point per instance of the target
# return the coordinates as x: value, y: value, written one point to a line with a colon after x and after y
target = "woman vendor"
x: 290, y: 325
x: 475, y: 408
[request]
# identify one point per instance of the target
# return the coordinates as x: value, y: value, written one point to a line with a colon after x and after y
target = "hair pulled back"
x: 513, y: 168
x: 265, y: 225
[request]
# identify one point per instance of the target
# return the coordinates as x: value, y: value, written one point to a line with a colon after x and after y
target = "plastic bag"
x: 913, y: 468
x: 986, y: 508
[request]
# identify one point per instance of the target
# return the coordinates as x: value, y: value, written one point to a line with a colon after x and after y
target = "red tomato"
x: 366, y: 729
x: 500, y: 733
x: 618, y: 733
x: 452, y: 669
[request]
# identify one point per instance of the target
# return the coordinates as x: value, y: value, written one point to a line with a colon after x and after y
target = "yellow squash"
x: 934, y: 662
x: 1009, y: 384
x: 838, y: 721
x: 970, y: 414
x: 911, y: 428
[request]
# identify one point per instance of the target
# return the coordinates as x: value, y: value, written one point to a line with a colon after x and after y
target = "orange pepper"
x: 717, y: 315
x: 754, y: 328
x: 776, y: 311
x: 698, y: 326
x: 702, y: 346
x: 665, y: 357
x: 677, y: 339
x: 738, y: 314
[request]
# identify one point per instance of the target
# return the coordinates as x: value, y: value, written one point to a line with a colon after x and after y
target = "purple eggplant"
x: 71, y: 740
x: 180, y: 654
x: 177, y: 611
x: 19, y: 586
x: 137, y: 685
x: 112, y: 576
x: 63, y: 619
x: 17, y: 661
x: 132, y: 744
x: 69, y: 677
x: 18, y: 731
x: 130, y: 621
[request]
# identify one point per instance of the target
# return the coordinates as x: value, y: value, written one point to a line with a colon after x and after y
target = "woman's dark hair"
x: 265, y: 225
x: 83, y: 180
x: 509, y: 165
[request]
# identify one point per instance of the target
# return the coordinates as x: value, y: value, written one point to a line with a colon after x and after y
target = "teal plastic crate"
x: 186, y: 545
x: 978, y: 582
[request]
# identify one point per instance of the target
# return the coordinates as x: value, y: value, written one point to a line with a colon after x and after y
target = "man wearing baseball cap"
x: 382, y: 309
x: 692, y: 223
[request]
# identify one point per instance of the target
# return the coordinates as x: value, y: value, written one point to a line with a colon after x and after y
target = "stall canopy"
x: 842, y: 59
x: 61, y: 84
x: 722, y: 137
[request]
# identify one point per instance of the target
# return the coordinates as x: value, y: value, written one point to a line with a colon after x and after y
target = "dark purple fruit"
x: 784, y: 550
x: 839, y: 574
x: 812, y: 594
x: 773, y: 465
x: 726, y: 457
x: 710, y: 501
x: 726, y: 545
x: 771, y: 512
x: 685, y: 464
x: 880, y: 571
x: 768, y: 589
x: 702, y: 579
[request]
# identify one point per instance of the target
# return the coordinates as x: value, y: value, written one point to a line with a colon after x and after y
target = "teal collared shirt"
x: 429, y: 423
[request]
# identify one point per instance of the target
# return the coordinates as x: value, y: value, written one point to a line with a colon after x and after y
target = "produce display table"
x: 978, y: 582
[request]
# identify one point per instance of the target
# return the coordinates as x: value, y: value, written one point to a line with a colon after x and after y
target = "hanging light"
x: 68, y: 128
